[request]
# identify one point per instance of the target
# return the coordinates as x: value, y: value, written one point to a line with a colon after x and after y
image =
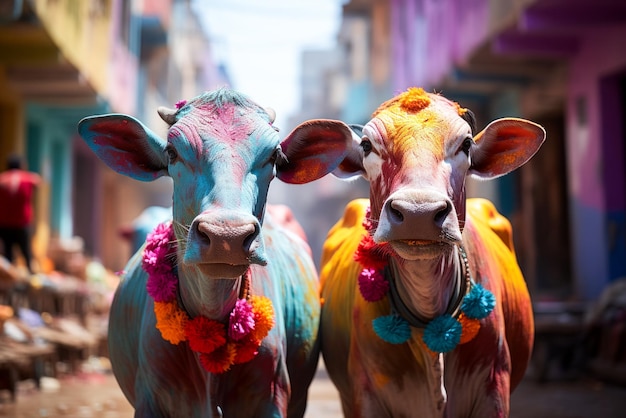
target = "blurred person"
x: 16, y: 208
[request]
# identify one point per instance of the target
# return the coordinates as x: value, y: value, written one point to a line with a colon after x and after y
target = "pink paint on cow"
x: 416, y: 153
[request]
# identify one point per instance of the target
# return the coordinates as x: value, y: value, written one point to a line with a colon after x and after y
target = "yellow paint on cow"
x: 487, y: 232
x: 417, y: 118
x: 380, y: 380
x: 492, y: 233
x: 483, y: 210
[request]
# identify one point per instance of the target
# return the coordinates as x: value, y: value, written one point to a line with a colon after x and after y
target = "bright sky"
x: 261, y: 42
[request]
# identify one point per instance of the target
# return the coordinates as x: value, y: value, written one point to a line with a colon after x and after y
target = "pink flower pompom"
x: 162, y: 287
x: 155, y: 260
x: 372, y: 285
x: 180, y: 103
x: 162, y: 235
x: 241, y: 320
x: 162, y: 281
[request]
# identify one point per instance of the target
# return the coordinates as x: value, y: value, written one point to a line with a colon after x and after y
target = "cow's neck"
x: 212, y: 298
x: 428, y: 288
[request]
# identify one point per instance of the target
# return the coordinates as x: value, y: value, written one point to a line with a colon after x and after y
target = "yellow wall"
x: 11, y: 126
x: 82, y: 30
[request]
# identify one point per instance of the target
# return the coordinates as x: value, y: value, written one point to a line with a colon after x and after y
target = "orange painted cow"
x: 426, y: 312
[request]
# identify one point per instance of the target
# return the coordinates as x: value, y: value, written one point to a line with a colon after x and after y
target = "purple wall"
x: 595, y: 168
x: 429, y: 37
x: 600, y: 55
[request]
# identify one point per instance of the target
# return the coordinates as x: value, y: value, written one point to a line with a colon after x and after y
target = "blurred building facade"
x: 556, y: 62
x: 62, y: 60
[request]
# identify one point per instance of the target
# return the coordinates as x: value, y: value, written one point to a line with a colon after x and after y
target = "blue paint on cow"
x: 222, y: 153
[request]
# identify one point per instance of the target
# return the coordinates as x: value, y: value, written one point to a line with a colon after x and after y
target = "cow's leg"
x: 367, y: 399
x: 179, y: 390
x: 301, y: 377
x: 126, y: 314
x: 264, y: 381
x: 494, y: 401
x: 170, y: 380
x: 480, y: 387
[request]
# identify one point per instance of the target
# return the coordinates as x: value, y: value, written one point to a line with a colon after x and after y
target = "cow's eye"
x: 467, y: 144
x: 367, y: 146
x: 172, y: 155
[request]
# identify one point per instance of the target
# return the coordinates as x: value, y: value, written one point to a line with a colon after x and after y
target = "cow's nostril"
x: 203, y: 232
x: 394, y: 214
x: 441, y: 215
x: 249, y: 240
x: 397, y: 214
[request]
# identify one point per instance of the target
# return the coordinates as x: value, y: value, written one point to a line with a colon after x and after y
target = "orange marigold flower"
x: 205, y: 335
x: 263, y: 317
x: 219, y: 360
x: 171, y: 321
x: 470, y: 328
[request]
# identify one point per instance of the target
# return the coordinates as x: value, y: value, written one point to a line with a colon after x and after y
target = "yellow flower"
x: 263, y: 316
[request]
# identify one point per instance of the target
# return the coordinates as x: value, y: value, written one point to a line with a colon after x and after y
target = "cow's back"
x: 338, y: 277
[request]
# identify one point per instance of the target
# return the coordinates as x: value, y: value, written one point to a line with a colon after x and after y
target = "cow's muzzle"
x: 418, y: 218
x: 224, y: 245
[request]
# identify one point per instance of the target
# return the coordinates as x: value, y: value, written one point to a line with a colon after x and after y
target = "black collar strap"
x: 454, y: 306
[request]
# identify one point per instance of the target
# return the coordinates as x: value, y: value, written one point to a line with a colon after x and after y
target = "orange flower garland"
x: 219, y: 345
x: 470, y: 328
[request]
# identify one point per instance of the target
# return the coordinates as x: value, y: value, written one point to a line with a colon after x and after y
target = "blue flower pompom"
x: 442, y: 334
x: 478, y: 303
x: 392, y: 329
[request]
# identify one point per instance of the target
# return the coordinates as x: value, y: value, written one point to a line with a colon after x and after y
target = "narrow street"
x: 96, y: 395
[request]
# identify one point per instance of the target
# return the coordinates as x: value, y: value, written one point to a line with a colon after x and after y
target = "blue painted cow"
x: 223, y: 253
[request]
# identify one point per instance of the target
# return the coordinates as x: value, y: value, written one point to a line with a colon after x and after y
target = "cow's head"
x: 416, y: 152
x: 221, y: 152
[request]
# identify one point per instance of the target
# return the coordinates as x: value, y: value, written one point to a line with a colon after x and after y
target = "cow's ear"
x: 313, y: 149
x: 503, y: 146
x: 352, y: 164
x: 125, y: 145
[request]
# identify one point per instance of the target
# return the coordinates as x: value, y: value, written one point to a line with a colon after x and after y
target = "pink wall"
x: 600, y: 55
x: 160, y: 8
x: 123, y: 65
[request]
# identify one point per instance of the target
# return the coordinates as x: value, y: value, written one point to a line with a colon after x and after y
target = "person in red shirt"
x: 16, y: 208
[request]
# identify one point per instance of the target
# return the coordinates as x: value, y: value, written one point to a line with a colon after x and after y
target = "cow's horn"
x: 167, y: 114
x: 271, y: 112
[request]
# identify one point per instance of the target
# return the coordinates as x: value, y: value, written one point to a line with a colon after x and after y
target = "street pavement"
x: 96, y: 395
